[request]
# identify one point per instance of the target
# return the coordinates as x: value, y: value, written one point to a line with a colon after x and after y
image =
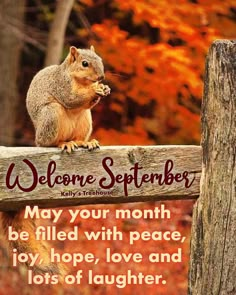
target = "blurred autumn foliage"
x: 174, y: 273
x: 154, y: 54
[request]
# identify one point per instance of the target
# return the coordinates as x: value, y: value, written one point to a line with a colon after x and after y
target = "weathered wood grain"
x: 83, y: 162
x: 213, y: 243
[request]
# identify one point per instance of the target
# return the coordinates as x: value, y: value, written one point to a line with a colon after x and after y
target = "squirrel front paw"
x: 101, y: 89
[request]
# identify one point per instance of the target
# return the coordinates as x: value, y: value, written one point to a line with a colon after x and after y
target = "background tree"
x: 57, y: 32
x: 11, y: 23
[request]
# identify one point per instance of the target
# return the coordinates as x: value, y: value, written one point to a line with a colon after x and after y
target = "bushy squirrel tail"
x: 43, y: 264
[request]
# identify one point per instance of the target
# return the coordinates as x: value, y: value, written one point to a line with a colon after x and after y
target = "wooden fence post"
x: 213, y: 243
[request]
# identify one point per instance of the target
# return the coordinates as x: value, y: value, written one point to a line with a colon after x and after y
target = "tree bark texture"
x: 57, y: 32
x: 11, y: 20
x: 213, y: 243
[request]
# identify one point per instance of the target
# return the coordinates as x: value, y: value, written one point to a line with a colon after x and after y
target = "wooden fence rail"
x: 166, y: 161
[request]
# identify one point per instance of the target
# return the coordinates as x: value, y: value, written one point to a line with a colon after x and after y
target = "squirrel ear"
x: 73, y: 55
x: 92, y: 48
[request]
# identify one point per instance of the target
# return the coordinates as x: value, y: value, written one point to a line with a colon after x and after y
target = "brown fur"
x: 59, y: 100
x: 60, y: 97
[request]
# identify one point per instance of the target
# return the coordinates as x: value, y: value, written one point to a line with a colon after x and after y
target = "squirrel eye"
x: 85, y: 64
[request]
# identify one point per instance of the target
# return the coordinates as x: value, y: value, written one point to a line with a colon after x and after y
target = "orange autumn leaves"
x: 154, y: 53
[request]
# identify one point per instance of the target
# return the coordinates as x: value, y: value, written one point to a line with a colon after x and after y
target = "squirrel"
x: 59, y: 102
x: 60, y: 98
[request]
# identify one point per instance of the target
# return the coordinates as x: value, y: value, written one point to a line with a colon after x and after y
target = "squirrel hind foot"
x: 90, y: 145
x: 69, y: 146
